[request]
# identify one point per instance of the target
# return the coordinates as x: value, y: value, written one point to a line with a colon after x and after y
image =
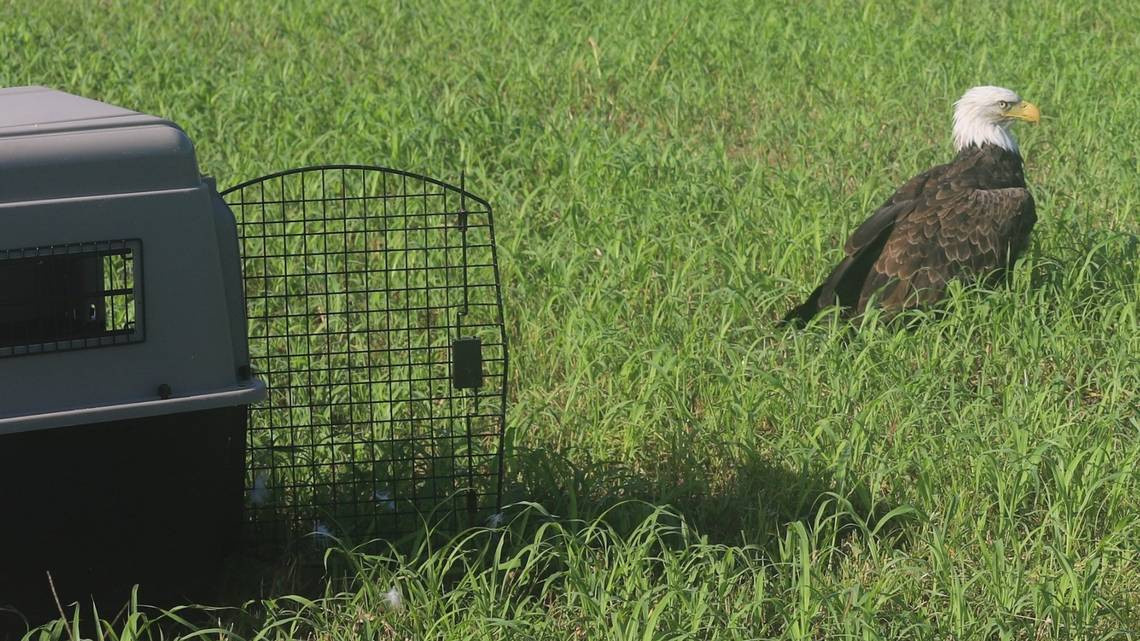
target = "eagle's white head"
x: 984, y: 114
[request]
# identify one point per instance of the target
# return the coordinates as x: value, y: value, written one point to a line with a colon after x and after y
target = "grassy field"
x: 667, y: 180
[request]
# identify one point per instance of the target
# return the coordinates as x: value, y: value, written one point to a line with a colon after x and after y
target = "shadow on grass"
x: 731, y: 496
x: 725, y: 492
x: 1091, y: 262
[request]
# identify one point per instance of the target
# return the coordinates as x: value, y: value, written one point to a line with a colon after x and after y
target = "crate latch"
x: 467, y: 363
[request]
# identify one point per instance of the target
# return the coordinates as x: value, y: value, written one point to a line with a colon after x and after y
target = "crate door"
x: 375, y: 321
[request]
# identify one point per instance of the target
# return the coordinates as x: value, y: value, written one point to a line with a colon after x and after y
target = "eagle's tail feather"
x: 799, y: 315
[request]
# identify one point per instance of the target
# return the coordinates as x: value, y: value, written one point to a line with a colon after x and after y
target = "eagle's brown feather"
x: 967, y: 219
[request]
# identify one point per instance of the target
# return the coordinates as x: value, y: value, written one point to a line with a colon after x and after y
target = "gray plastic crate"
x: 136, y: 443
x: 124, y: 367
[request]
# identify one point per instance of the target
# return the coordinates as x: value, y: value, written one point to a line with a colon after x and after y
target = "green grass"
x: 667, y: 180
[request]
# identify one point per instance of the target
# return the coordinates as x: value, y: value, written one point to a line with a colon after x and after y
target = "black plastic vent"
x: 73, y: 296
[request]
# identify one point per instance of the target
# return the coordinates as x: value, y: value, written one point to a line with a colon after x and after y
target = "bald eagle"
x: 967, y: 219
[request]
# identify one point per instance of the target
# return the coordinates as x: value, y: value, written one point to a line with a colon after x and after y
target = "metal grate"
x: 70, y: 296
x: 375, y: 321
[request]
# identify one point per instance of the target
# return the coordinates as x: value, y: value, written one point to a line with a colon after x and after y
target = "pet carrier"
x: 124, y: 371
x: 319, y: 351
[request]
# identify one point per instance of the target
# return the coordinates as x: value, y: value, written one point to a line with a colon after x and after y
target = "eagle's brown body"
x: 967, y: 219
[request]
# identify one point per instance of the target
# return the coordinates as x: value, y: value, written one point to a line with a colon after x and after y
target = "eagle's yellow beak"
x: 1026, y: 111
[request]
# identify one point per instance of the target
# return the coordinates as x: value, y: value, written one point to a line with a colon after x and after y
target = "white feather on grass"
x: 393, y: 599
x: 383, y: 498
x: 259, y: 495
x: 322, y: 535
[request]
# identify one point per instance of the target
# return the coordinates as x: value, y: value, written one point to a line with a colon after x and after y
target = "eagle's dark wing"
x: 954, y: 230
x: 845, y: 283
x: 903, y: 200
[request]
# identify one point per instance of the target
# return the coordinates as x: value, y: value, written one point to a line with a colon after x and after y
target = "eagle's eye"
x: 1003, y: 104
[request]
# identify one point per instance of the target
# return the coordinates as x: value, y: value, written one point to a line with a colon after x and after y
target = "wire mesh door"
x: 375, y: 320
